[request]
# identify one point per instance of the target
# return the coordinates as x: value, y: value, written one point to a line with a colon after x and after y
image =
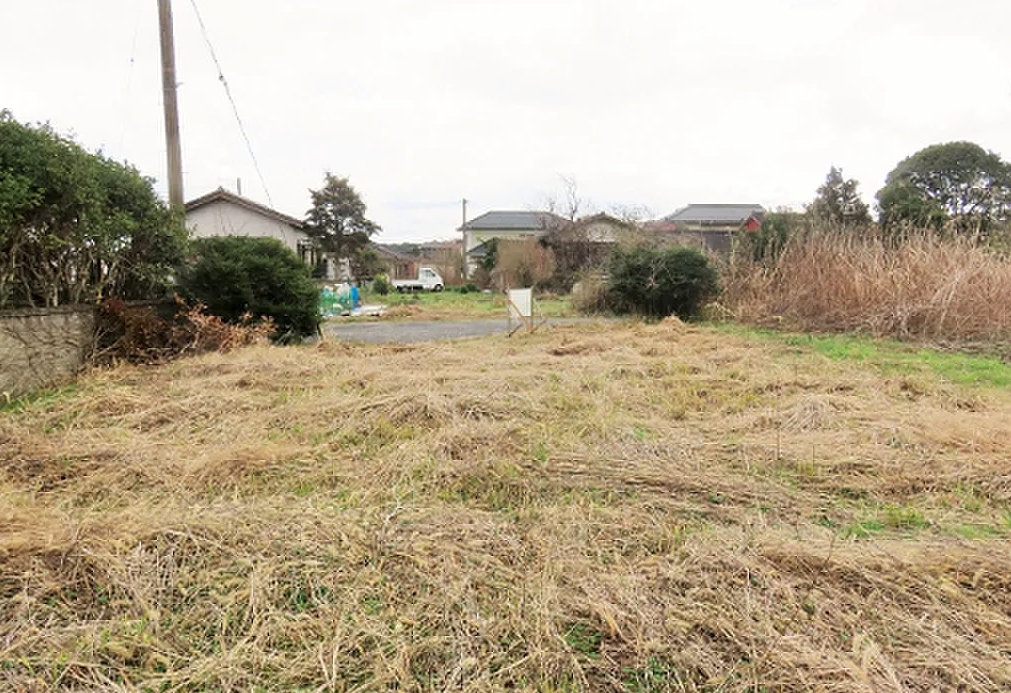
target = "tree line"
x: 955, y: 186
x: 78, y: 227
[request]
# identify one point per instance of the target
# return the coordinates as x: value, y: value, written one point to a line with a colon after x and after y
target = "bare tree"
x: 569, y: 204
x: 632, y: 214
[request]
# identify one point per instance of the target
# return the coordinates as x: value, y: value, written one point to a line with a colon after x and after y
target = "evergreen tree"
x: 957, y: 182
x: 838, y: 202
x: 336, y: 221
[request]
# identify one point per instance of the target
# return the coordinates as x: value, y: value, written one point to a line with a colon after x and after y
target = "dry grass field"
x: 619, y: 507
x: 925, y: 288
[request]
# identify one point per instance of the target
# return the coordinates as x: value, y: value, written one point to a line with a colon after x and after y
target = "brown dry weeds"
x: 925, y: 288
x: 612, y: 507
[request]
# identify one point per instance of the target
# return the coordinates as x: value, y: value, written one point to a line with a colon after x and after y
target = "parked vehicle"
x: 427, y: 280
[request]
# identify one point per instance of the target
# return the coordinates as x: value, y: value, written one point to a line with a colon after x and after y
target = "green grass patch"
x: 584, y: 639
x: 40, y: 399
x: 883, y: 518
x: 655, y: 676
x: 863, y: 529
x: 975, y: 531
x: 892, y: 357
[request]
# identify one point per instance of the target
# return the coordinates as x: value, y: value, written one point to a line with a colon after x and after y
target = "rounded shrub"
x: 658, y: 282
x: 382, y: 285
x: 237, y: 277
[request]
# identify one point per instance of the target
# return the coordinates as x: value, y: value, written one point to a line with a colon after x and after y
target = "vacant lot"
x: 601, y: 507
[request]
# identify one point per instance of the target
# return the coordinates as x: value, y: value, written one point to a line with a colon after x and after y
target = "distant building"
x: 709, y: 225
x: 223, y: 213
x: 398, y: 265
x: 601, y: 228
x: 504, y: 225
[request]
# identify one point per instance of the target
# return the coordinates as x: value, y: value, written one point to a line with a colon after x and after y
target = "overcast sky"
x: 657, y: 103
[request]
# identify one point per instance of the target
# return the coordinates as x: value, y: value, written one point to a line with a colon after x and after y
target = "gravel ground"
x: 425, y: 330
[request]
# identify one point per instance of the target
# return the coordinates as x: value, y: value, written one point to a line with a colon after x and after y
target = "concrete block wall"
x: 43, y: 347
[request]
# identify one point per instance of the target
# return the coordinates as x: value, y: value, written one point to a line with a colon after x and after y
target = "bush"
x: 767, y: 243
x: 77, y: 227
x: 657, y: 282
x: 142, y: 335
x: 238, y: 277
x: 382, y: 285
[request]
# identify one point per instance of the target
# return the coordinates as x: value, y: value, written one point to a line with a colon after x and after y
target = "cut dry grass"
x: 613, y: 507
x: 924, y: 288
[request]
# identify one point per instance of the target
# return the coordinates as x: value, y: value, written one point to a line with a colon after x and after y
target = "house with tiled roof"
x: 506, y: 226
x: 709, y: 225
x: 723, y: 217
x: 398, y: 265
x: 223, y: 213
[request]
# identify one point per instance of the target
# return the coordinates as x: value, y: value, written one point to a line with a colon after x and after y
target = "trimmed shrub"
x: 238, y: 278
x: 658, y: 282
x: 382, y: 285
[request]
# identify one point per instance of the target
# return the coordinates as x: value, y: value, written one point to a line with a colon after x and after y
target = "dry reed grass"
x: 620, y: 507
x: 924, y: 288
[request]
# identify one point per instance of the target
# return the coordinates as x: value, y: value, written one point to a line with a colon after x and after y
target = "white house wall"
x: 601, y: 232
x: 222, y: 218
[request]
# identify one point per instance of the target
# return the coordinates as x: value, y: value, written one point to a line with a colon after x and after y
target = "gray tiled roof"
x: 479, y: 251
x: 518, y: 221
x: 715, y: 213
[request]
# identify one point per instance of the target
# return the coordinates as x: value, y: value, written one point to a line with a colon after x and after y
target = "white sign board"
x: 521, y: 304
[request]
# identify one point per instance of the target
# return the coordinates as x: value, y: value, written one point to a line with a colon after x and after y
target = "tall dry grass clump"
x: 522, y: 263
x: 922, y: 287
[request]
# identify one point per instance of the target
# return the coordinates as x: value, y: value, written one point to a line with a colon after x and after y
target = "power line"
x: 129, y: 78
x: 231, y: 100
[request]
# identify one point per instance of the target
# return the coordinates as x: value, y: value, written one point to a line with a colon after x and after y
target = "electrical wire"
x: 129, y: 79
x: 231, y: 100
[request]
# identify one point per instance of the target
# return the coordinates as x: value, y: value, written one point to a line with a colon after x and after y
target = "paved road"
x: 424, y: 330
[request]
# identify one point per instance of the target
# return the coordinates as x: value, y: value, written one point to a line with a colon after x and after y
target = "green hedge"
x: 237, y: 276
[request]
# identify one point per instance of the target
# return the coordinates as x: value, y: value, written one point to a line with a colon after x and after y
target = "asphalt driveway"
x: 406, y: 332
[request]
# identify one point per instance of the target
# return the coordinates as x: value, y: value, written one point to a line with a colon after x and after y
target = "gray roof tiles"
x: 715, y: 213
x: 514, y: 221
